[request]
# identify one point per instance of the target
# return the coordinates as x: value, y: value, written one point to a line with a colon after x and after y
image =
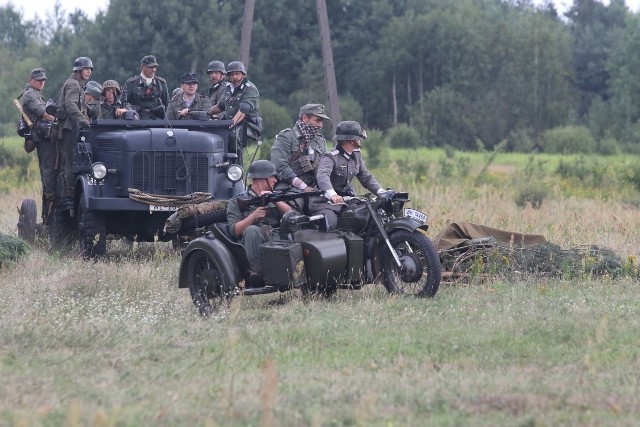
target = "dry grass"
x: 115, y: 342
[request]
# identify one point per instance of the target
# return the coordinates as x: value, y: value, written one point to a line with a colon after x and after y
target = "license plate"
x: 154, y: 208
x: 415, y: 214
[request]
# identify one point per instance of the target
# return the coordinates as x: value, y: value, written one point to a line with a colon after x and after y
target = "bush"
x: 274, y: 118
x: 533, y: 195
x: 569, y: 140
x: 608, y: 147
x: 403, y: 136
x: 375, y: 147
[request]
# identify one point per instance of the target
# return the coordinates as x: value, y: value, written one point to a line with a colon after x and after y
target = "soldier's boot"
x: 255, y: 279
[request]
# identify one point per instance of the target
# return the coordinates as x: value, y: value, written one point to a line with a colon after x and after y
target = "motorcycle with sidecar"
x: 377, y: 240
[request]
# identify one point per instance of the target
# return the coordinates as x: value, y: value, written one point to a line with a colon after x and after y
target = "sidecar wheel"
x: 205, y: 282
x: 420, y: 272
x: 27, y: 220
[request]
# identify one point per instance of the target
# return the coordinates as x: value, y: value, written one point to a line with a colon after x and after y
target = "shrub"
x: 274, y: 118
x: 533, y: 195
x: 375, y: 147
x: 608, y: 147
x: 569, y: 140
x: 403, y: 136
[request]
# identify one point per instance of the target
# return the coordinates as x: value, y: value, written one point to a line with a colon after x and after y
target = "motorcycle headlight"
x: 99, y: 170
x: 234, y: 173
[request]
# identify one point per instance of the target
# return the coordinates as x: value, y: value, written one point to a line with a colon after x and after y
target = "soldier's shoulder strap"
x: 333, y: 152
x: 131, y: 79
x: 283, y: 131
x: 161, y: 80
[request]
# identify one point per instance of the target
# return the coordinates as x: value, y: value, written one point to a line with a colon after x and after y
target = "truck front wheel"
x: 91, y: 231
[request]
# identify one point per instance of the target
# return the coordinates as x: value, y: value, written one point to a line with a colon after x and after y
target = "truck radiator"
x: 170, y: 172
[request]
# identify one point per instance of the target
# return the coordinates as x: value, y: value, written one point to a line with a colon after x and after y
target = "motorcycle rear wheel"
x: 417, y: 251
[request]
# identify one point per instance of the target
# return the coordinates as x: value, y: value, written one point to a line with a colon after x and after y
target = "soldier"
x: 297, y: 151
x: 111, y: 107
x: 338, y: 168
x: 240, y: 106
x: 218, y: 89
x: 189, y: 100
x: 71, y: 103
x: 92, y: 97
x: 147, y: 93
x: 244, y: 224
x: 34, y: 107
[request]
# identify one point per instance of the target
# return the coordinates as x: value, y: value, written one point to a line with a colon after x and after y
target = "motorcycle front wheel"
x: 420, y: 272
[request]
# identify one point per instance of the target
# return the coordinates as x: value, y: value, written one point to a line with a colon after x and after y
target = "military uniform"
x: 143, y: 98
x: 72, y: 101
x: 335, y: 173
x: 246, y: 93
x: 255, y: 234
x: 107, y: 111
x: 200, y: 102
x: 34, y: 106
x: 218, y: 92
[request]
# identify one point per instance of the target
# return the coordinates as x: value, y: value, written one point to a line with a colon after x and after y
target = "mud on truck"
x: 131, y: 175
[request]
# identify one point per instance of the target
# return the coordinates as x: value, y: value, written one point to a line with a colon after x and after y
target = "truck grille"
x: 165, y: 172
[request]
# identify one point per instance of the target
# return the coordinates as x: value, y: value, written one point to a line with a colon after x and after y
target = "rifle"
x: 277, y: 196
x: 18, y: 106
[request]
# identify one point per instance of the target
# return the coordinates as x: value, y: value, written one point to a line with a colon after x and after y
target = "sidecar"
x: 215, y: 265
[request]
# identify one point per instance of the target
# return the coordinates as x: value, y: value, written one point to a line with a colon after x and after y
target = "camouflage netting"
x: 11, y: 249
x: 175, y: 222
x: 485, y: 254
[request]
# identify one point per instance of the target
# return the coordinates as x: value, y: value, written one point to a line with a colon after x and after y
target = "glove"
x: 84, y: 123
x: 381, y: 191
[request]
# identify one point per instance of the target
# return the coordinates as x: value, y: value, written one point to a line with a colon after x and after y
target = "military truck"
x: 160, y: 160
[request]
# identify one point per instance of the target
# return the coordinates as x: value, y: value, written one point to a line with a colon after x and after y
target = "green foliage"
x: 274, y: 118
x: 587, y: 170
x: 375, y: 148
x: 12, y: 249
x: 569, y: 140
x: 14, y: 166
x: 532, y: 195
x: 403, y: 136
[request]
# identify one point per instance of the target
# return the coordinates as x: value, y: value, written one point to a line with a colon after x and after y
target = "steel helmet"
x: 262, y: 169
x: 111, y: 84
x: 236, y: 66
x: 94, y: 89
x: 216, y: 66
x: 349, y: 131
x: 82, y: 62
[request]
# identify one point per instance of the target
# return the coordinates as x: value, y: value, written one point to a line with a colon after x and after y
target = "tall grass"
x: 115, y: 342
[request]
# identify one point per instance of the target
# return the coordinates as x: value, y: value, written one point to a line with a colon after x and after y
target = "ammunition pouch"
x: 29, y: 145
x: 254, y: 128
x: 22, y: 128
x: 301, y: 165
x: 42, y: 130
x: 55, y: 131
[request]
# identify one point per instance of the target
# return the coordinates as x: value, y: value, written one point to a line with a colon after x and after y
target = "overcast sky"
x: 91, y: 7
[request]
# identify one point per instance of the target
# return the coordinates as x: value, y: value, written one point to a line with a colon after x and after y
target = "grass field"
x: 116, y: 343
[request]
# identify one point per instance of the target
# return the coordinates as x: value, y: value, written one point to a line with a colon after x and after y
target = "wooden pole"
x: 327, y: 61
x: 247, y: 25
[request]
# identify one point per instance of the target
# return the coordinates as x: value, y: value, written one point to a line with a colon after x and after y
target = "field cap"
x: 315, y: 109
x: 189, y: 78
x: 149, y: 61
x: 38, y: 74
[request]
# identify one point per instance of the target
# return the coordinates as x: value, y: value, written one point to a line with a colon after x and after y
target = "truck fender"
x: 219, y: 253
x: 83, y: 188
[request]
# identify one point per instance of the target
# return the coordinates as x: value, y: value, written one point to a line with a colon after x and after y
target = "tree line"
x: 458, y: 74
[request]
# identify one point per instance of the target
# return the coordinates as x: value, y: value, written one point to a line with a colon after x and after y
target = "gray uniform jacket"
x: 72, y: 100
x: 245, y: 92
x: 200, y: 102
x: 33, y: 105
x: 218, y: 92
x: 337, y: 169
x: 289, y: 147
x: 235, y: 215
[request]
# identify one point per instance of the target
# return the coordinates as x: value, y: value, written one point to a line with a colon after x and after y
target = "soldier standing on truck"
x: 147, y: 93
x: 71, y: 112
x: 111, y: 107
x: 240, y: 106
x: 34, y: 107
x: 218, y: 89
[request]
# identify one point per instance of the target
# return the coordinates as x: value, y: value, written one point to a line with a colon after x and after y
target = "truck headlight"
x: 99, y: 170
x: 234, y: 173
